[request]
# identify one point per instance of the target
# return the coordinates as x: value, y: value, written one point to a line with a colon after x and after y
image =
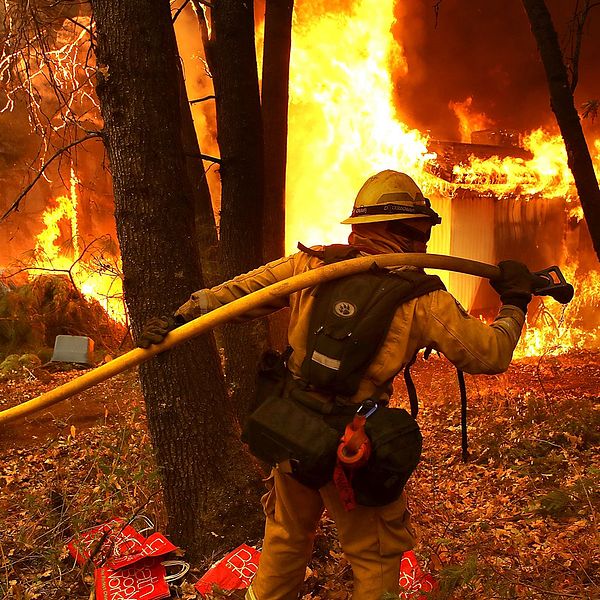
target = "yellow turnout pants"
x: 373, y: 540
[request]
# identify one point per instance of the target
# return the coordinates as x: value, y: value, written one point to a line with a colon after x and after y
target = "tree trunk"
x: 275, y: 95
x: 232, y: 59
x: 204, y: 469
x: 563, y: 106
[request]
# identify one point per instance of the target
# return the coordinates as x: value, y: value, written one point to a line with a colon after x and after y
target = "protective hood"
x: 373, y: 238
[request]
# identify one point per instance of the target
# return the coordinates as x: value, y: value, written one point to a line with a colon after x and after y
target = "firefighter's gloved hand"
x: 157, y: 328
x: 515, y: 284
x: 196, y: 306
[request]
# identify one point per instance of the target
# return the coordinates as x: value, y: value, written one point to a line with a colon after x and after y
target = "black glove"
x: 515, y: 284
x: 156, y: 329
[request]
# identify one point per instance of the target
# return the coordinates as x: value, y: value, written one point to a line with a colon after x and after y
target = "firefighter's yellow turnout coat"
x: 373, y: 538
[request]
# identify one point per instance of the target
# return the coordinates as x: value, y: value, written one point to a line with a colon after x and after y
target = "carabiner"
x: 367, y: 408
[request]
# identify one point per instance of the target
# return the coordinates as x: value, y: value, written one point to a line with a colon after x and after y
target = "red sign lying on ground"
x: 156, y: 545
x: 233, y: 572
x: 142, y: 581
x: 413, y: 580
x: 128, y: 565
x: 114, y: 539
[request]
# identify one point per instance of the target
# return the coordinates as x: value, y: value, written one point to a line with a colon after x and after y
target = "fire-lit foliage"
x: 346, y: 122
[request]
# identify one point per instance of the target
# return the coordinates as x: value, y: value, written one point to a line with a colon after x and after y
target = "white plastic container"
x: 73, y: 348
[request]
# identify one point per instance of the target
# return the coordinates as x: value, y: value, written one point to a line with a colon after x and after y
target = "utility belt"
x: 304, y: 427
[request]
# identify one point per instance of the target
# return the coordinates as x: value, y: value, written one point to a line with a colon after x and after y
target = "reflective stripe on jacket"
x: 435, y: 319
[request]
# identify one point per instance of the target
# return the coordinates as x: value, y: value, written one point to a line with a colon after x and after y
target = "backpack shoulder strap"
x: 421, y: 282
x: 332, y: 253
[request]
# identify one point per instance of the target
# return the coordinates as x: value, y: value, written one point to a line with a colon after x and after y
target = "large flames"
x: 346, y: 123
x: 345, y: 126
x: 92, y: 267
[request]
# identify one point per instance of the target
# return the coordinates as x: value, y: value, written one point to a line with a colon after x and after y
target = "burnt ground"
x: 519, y: 520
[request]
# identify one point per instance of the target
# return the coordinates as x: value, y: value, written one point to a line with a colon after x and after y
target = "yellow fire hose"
x: 264, y: 296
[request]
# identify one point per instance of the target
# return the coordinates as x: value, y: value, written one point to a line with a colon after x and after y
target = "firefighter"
x: 390, y: 214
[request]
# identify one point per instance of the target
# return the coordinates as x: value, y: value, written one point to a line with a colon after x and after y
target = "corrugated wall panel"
x: 441, y: 234
x: 472, y: 236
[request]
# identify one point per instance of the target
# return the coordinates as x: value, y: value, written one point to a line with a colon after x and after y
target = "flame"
x: 342, y: 123
x: 92, y: 272
x: 344, y: 126
x: 468, y: 120
x: 555, y: 329
x: 546, y: 174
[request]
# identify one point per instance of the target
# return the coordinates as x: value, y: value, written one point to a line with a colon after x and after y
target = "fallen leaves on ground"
x: 519, y: 520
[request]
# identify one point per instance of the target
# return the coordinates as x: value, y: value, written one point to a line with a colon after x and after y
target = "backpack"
x: 349, y: 321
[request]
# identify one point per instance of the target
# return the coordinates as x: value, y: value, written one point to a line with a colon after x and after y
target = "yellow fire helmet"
x: 388, y: 196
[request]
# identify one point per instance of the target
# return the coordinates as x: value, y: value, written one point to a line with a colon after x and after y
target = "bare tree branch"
x: 78, y: 24
x: 15, y: 205
x: 208, y: 157
x: 180, y: 10
x: 578, y: 22
x: 203, y: 99
x: 436, y: 11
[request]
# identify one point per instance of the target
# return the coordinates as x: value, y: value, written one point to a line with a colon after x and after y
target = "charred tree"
x: 274, y: 102
x: 563, y: 106
x: 205, y: 472
x: 231, y: 56
x: 275, y: 96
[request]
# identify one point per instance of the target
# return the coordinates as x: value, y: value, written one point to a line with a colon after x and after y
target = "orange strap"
x: 353, y: 452
x: 355, y: 447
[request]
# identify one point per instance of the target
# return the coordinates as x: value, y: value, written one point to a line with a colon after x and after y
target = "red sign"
x: 142, y: 581
x: 233, y: 572
x: 156, y: 545
x: 412, y: 579
x: 114, y: 540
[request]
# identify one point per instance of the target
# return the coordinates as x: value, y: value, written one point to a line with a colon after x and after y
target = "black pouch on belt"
x: 283, y: 429
x: 396, y: 445
x: 271, y: 376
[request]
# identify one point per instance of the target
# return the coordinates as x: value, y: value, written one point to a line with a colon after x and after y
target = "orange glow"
x: 90, y: 272
x: 344, y: 126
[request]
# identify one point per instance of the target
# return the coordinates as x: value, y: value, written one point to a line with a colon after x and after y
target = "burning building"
x: 486, y: 223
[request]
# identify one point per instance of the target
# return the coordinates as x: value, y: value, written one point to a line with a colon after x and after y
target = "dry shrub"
x: 33, y: 314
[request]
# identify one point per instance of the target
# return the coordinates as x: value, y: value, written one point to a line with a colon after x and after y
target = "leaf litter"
x: 518, y: 520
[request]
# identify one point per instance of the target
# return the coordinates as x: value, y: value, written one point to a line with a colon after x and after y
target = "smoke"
x: 484, y: 51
